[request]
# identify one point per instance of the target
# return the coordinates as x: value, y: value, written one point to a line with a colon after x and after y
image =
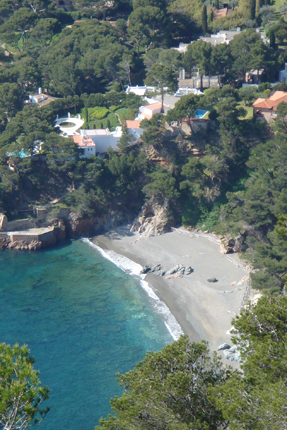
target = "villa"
x: 86, y: 145
x: 102, y: 138
x: 266, y: 108
x: 147, y: 112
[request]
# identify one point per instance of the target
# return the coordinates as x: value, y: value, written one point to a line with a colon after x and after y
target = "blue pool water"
x: 84, y: 320
x: 200, y: 113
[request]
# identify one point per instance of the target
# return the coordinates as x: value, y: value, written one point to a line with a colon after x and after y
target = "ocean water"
x: 84, y: 319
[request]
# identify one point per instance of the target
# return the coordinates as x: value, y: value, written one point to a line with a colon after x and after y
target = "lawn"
x: 249, y: 111
x: 278, y: 3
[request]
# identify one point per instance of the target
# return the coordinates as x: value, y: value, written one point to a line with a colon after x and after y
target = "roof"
x: 133, y: 124
x: 272, y: 102
x: 154, y: 106
x: 82, y: 141
x: 96, y: 132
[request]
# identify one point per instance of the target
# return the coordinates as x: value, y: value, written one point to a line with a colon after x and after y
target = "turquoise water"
x: 83, y: 319
x: 200, y: 113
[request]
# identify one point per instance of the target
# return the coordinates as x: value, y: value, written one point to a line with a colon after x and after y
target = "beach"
x: 203, y: 309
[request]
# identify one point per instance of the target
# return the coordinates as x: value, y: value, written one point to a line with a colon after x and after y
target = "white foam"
x: 134, y: 269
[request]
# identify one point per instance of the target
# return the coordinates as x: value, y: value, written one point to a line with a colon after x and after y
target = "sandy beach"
x: 204, y: 310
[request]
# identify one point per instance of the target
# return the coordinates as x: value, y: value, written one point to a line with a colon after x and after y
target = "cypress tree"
x: 217, y: 4
x: 86, y: 115
x: 252, y: 9
x: 272, y: 39
x: 204, y: 19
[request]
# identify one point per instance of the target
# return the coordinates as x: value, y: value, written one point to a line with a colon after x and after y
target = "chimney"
x: 39, y: 90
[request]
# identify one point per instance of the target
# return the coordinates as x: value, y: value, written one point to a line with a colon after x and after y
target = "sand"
x: 204, y: 310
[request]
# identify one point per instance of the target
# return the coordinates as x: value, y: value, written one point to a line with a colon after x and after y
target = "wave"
x: 130, y: 267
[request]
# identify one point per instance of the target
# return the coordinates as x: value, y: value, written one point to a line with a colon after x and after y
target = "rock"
x: 188, y: 270
x: 159, y: 273
x: 223, y: 346
x: 212, y: 280
x: 233, y: 348
x: 181, y: 271
x: 229, y: 355
x: 223, y: 249
x: 34, y: 245
x: 173, y: 270
x: 145, y: 270
x: 154, y: 219
x: 237, y: 357
x: 156, y: 268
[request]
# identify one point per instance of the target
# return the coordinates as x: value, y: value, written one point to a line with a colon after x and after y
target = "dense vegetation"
x: 184, y: 387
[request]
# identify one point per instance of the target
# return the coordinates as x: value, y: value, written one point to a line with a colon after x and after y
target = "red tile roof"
x: 83, y: 141
x: 133, y: 124
x: 272, y: 102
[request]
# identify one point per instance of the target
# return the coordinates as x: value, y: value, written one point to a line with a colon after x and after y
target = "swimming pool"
x: 200, y: 113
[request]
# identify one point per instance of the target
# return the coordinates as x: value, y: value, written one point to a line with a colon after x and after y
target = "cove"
x: 83, y: 319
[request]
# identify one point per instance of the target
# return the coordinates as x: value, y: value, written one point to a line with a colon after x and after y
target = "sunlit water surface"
x: 83, y: 319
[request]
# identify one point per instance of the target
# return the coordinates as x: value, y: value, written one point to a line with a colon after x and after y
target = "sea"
x: 86, y: 314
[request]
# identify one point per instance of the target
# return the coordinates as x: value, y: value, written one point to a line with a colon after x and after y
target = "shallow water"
x: 83, y: 319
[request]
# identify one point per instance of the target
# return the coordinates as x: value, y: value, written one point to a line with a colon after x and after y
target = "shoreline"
x: 203, y: 310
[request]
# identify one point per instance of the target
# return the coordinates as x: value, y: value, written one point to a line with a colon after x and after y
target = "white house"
x: 138, y: 90
x: 103, y: 138
x: 86, y: 145
x: 150, y: 110
x: 41, y: 99
x: 133, y: 128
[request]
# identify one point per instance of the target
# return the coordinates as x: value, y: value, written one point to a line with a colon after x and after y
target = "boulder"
x: 188, y: 270
x: 34, y: 245
x: 159, y: 273
x: 173, y: 270
x: 223, y: 249
x: 223, y: 346
x: 233, y: 348
x: 145, y: 270
x: 156, y: 268
x: 229, y: 355
x: 212, y: 280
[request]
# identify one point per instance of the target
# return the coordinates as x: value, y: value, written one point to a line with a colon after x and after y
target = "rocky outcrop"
x: 177, y: 270
x: 80, y: 226
x: 153, y: 220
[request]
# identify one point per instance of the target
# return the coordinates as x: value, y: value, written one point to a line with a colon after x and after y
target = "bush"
x: 113, y: 108
x: 98, y: 112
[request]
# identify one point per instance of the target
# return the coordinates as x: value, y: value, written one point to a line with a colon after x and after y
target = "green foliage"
x: 162, y: 185
x: 255, y: 399
x: 169, y: 389
x: 21, y: 392
x: 98, y: 112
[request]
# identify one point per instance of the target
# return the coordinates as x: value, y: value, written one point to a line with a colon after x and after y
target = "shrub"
x: 98, y: 112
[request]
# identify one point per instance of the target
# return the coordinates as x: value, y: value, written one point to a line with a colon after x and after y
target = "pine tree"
x: 252, y: 9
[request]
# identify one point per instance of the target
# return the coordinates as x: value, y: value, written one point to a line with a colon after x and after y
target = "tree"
x: 185, y: 107
x: 148, y: 27
x: 204, y: 19
x: 199, y: 55
x: 21, y: 392
x: 169, y: 390
x: 162, y: 185
x: 281, y: 119
x: 164, y: 79
x: 255, y: 399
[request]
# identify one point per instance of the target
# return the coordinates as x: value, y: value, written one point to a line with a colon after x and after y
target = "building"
x: 103, y: 138
x: 134, y: 129
x: 41, y: 99
x: 254, y: 76
x: 266, y: 108
x: 150, y: 110
x: 138, y: 90
x: 86, y: 146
